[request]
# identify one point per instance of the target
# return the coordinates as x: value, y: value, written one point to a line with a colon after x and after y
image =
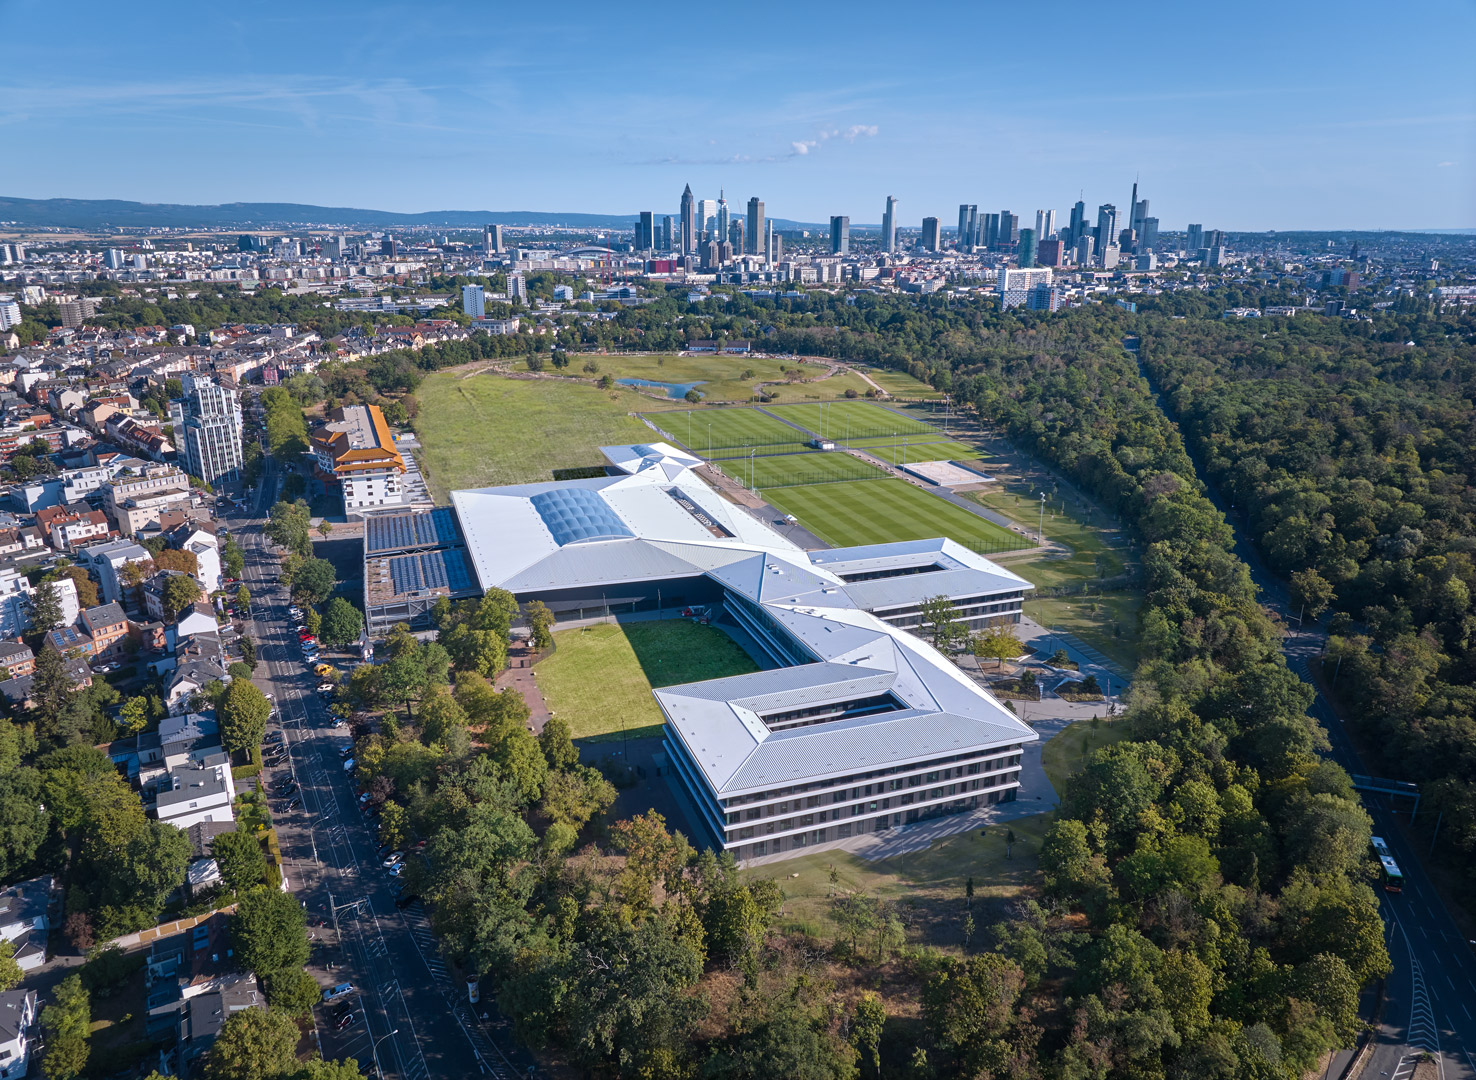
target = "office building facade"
x: 930, y: 234
x: 645, y: 231
x: 689, y: 221
x: 840, y: 235
x: 756, y: 231
x: 968, y: 221
x: 889, y: 226
x: 473, y: 301
x: 1027, y: 247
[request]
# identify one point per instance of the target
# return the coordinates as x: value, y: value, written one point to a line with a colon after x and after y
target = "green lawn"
x: 854, y: 419
x: 881, y: 511
x: 600, y: 677
x: 788, y: 470
x: 726, y: 429
x: 1086, y: 541
x: 906, y: 451
x: 928, y: 884
x: 1066, y: 751
x: 486, y: 430
x: 820, y: 390
x: 1106, y: 621
x: 902, y: 384
x: 722, y: 377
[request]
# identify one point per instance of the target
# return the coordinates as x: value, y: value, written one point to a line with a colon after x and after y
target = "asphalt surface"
x: 1430, y: 998
x: 411, y: 1021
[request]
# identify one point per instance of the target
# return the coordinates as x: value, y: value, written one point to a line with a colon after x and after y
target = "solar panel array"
x: 430, y: 570
x: 395, y: 532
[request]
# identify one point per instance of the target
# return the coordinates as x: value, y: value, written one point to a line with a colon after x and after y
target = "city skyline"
x: 1284, y: 130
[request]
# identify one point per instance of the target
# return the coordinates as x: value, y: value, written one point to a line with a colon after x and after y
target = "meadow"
x: 486, y: 430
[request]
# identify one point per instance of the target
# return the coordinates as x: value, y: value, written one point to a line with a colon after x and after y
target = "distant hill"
x: 118, y: 213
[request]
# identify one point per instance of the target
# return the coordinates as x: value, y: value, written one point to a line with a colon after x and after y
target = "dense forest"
x: 1349, y: 448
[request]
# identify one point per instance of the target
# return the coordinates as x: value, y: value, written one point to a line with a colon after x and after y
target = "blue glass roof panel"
x: 578, y: 515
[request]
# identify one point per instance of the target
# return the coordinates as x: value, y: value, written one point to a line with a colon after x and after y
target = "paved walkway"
x: 519, y: 676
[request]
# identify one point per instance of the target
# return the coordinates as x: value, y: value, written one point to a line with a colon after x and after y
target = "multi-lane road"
x: 412, y: 1022
x: 1429, y: 1004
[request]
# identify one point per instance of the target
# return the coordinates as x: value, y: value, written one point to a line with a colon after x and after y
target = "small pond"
x: 675, y: 390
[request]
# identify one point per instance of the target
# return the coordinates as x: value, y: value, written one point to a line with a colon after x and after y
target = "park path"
x: 518, y: 675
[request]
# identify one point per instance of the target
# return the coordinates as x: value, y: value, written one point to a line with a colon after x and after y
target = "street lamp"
x: 374, y: 1050
x: 1042, y: 516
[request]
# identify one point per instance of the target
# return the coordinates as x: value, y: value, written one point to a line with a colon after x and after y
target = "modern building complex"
x: 207, y: 429
x: 856, y: 724
x: 356, y: 450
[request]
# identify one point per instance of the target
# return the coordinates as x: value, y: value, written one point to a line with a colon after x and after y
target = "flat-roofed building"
x: 356, y: 449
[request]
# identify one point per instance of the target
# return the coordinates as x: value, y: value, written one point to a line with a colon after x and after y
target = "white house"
x: 15, y: 600
x: 24, y: 921
x: 206, y: 549
x: 17, y: 1018
x: 107, y: 561
x: 200, y: 791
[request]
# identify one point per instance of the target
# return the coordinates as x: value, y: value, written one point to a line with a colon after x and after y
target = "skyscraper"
x: 1195, y: 240
x: 989, y: 231
x: 840, y: 235
x: 645, y: 231
x: 473, y: 301
x: 1009, y: 230
x: 968, y: 222
x: 1078, y: 222
x: 930, y: 233
x: 889, y: 225
x: 755, y: 225
x: 1106, y: 226
x: 492, y: 239
x: 769, y: 241
x: 689, y: 221
x: 208, y: 429
x: 723, y: 226
x: 1027, y: 247
x: 1148, y: 235
x: 1045, y: 225
x: 735, y: 236
x: 707, y: 216
x: 517, y: 286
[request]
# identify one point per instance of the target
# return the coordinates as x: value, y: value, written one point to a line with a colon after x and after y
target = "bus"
x: 1389, y: 873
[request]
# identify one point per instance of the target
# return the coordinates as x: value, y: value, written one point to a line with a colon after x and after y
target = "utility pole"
x: 1042, y: 516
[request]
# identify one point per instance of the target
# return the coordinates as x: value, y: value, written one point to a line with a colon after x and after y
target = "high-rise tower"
x: 889, y: 225
x: 756, y: 232
x: 689, y: 222
x: 840, y: 235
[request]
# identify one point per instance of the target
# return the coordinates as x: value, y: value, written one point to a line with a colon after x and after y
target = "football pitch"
x: 840, y: 420
x: 705, y: 430
x: 855, y: 512
x: 790, y: 470
x: 905, y: 451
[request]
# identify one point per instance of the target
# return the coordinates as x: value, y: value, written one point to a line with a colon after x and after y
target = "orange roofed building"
x: 356, y: 449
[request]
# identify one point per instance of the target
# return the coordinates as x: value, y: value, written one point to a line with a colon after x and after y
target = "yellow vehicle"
x: 324, y: 670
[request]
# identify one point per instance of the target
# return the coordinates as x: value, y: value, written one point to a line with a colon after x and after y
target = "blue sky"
x: 1253, y: 116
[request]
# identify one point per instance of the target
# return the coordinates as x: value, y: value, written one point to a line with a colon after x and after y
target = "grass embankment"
x: 1107, y: 621
x: 881, y: 511
x: 600, y: 677
x: 484, y: 430
x: 902, y: 384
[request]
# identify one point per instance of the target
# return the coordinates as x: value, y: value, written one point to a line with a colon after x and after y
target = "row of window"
x: 830, y: 783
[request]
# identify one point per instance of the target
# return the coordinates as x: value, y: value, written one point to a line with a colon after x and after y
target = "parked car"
x: 392, y: 858
x: 345, y: 750
x: 348, y: 765
x: 348, y: 1021
x: 396, y: 870
x: 324, y: 670
x: 295, y: 803
x: 326, y: 687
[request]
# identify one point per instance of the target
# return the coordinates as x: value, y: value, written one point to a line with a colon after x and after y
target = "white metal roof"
x: 660, y: 521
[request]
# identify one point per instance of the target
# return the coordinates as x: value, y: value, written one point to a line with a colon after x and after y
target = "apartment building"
x: 356, y: 450
x: 134, y: 501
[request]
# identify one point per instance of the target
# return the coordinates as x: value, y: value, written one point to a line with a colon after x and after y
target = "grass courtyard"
x: 839, y: 420
x: 881, y: 511
x: 486, y: 430
x: 704, y: 430
x: 600, y: 677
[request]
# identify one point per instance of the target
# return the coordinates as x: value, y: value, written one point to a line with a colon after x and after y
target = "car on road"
x: 348, y: 764
x: 324, y: 670
x: 326, y: 687
x: 337, y: 993
x: 337, y: 722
